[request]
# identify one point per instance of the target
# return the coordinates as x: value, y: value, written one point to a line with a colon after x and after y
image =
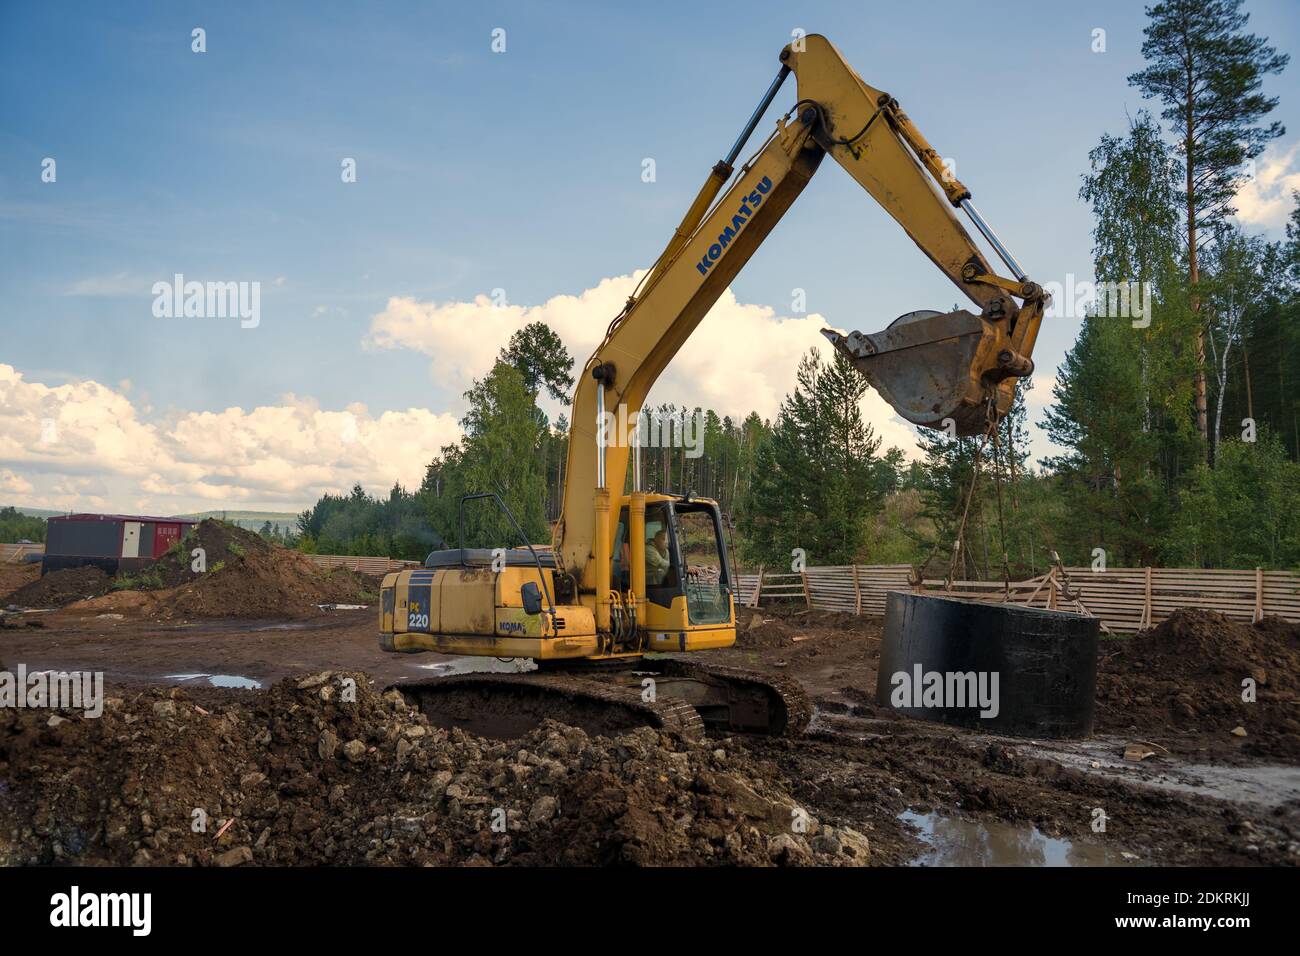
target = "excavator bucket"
x: 933, y: 367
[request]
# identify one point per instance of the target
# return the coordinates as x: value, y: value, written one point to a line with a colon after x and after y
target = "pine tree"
x: 538, y: 354
x: 1207, y: 72
x: 812, y: 485
x: 498, y: 454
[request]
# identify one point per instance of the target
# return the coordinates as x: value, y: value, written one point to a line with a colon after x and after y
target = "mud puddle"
x: 237, y: 625
x: 952, y: 841
x: 1264, y: 785
x: 1267, y: 786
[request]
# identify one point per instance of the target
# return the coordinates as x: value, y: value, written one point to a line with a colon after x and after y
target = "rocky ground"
x: 295, y: 773
x: 326, y: 769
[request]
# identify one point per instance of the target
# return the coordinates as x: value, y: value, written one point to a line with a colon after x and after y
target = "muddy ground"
x: 864, y: 785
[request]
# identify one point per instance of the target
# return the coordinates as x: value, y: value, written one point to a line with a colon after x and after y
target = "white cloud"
x: 741, y: 358
x: 1265, y: 199
x: 82, y: 445
x: 12, y: 483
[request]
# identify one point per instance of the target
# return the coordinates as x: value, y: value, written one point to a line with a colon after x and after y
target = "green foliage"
x: 724, y: 465
x: 1130, y: 475
x: 507, y: 448
x: 280, y: 534
x: 814, y: 486
x: 1253, y: 319
x: 992, y: 525
x: 1123, y: 395
x: 148, y: 579
x: 1132, y: 478
x: 1116, y: 437
x: 1242, y: 512
x: 1132, y: 185
x: 357, y: 523
x: 895, y: 535
x: 1207, y: 73
x: 538, y: 355
x: 499, y: 453
x: 16, y: 526
x: 1233, y: 284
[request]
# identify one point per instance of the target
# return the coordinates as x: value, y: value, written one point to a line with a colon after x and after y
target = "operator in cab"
x: 657, y: 562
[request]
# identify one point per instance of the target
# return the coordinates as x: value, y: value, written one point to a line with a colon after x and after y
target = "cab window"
x: 708, y: 590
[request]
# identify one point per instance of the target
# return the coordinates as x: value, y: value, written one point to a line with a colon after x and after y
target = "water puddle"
x: 1264, y: 785
x: 1269, y: 785
x: 952, y: 841
x: 479, y: 665
x: 219, y: 680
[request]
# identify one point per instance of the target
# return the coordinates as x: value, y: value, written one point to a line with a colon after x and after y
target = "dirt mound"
x: 324, y: 769
x: 784, y: 627
x: 756, y: 627
x: 14, y: 575
x: 245, y: 576
x: 60, y: 588
x: 1187, y: 675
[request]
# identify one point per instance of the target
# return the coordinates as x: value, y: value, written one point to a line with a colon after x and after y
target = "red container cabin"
x: 112, y: 542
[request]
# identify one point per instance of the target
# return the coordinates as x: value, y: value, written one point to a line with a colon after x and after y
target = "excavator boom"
x: 953, y: 371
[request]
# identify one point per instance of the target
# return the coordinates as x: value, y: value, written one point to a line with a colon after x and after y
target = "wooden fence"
x: 1125, y: 599
x: 857, y: 589
x: 377, y: 567
x: 16, y: 552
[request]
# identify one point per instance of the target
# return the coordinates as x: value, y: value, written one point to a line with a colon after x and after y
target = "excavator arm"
x: 955, y: 371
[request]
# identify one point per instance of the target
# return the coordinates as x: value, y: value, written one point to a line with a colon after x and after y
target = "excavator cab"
x: 689, y: 584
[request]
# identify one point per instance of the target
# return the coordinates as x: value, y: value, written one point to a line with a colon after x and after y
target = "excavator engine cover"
x: 927, y: 365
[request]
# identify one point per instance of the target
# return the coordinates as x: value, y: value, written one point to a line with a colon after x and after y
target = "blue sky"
x: 476, y: 171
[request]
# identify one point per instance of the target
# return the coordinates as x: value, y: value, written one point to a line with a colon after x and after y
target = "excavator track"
x: 688, y: 697
x: 510, y: 705
x: 789, y: 710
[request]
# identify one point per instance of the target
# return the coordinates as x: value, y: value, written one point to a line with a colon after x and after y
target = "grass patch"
x: 149, y: 580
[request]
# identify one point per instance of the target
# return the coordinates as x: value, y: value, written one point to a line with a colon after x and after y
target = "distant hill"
x: 38, y: 512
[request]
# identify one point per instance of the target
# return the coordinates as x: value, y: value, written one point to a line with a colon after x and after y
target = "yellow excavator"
x: 619, y: 592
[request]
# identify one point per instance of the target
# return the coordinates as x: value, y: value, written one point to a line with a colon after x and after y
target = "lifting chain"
x: 990, y: 435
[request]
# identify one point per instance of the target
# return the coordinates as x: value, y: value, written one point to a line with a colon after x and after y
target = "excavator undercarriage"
x: 672, y: 695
